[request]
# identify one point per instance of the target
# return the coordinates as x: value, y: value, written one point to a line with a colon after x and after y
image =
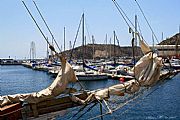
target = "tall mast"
x: 110, y: 48
x: 47, y: 50
x: 162, y: 37
x: 106, y: 45
x: 177, y: 41
x: 93, y: 46
x: 85, y: 45
x: 70, y: 45
x: 64, y: 38
x: 114, y: 47
x: 179, y: 38
x: 83, y: 34
x: 135, y: 30
x: 135, y: 41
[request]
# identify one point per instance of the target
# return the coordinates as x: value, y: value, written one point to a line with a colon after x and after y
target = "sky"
x: 17, y: 29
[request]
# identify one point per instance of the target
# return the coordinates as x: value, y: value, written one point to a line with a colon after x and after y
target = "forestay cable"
x: 46, y: 25
x: 35, y: 22
x: 146, y: 20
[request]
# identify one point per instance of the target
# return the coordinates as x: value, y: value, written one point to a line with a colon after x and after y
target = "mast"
x: 162, y: 37
x: 93, y: 46
x: 110, y: 48
x: 85, y: 45
x: 114, y: 48
x: 177, y: 41
x: 106, y: 46
x: 30, y: 54
x: 135, y: 40
x: 83, y: 35
x: 64, y: 37
x: 47, y: 54
x: 70, y: 45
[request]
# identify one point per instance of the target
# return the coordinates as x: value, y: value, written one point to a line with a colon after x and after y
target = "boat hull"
x: 92, y: 77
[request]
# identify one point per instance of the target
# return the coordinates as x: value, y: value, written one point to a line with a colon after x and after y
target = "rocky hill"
x: 102, y: 51
x: 109, y: 50
x: 174, y: 40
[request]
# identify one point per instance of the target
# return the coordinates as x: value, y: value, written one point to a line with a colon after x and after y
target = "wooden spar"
x: 52, y: 105
x: 11, y: 112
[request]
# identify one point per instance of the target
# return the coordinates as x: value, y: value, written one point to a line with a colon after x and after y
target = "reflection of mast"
x: 32, y: 51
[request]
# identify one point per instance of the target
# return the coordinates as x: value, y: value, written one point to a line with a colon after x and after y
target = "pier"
x: 10, y: 62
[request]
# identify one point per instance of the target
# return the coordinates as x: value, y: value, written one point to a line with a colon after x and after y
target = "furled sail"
x: 144, y: 47
x: 59, y: 85
x: 147, y: 73
x: 147, y: 69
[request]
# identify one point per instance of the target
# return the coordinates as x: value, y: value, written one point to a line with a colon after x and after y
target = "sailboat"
x: 85, y: 72
x: 146, y: 72
x: 21, y: 106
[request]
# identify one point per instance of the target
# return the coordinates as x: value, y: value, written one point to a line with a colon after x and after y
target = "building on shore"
x: 168, y: 50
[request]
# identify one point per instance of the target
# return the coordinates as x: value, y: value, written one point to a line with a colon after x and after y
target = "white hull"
x: 91, y: 77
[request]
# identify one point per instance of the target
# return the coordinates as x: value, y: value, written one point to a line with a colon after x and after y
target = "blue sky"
x: 17, y: 30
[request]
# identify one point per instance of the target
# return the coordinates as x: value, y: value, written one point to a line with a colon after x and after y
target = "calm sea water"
x: 159, y: 102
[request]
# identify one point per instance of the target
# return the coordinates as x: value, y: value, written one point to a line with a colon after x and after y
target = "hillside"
x: 172, y: 40
x: 102, y: 51
x: 107, y: 51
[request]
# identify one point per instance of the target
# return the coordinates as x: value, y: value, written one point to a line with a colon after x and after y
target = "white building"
x: 168, y: 50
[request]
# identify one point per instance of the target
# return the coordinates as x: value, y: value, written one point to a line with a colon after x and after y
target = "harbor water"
x: 157, y: 103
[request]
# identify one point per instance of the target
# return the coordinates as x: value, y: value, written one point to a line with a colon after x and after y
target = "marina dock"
x: 10, y: 62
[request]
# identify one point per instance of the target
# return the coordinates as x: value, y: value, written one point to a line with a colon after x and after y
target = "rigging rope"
x: 124, y: 13
x: 115, y: 3
x: 138, y: 95
x: 46, y: 25
x: 146, y: 20
x: 76, y: 37
x: 87, y: 110
x: 35, y: 22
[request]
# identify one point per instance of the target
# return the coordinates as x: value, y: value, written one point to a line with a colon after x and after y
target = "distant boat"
x: 172, y: 63
x: 84, y: 71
